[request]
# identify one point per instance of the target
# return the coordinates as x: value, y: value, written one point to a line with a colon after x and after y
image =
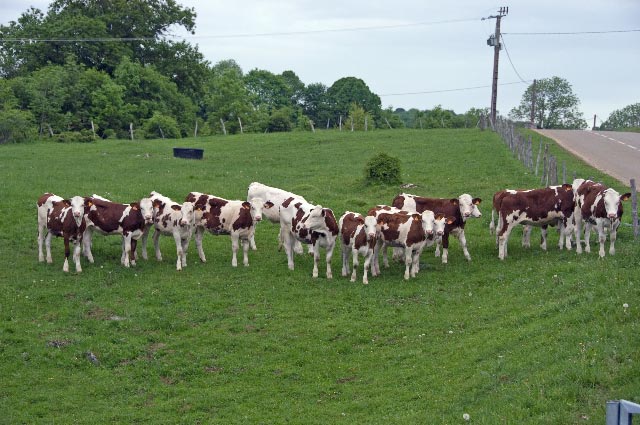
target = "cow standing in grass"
x: 148, y: 214
x: 44, y: 204
x: 178, y: 221
x: 110, y: 218
x: 599, y: 205
x: 358, y: 236
x: 460, y: 209
x: 309, y: 224
x: 224, y: 217
x: 66, y: 219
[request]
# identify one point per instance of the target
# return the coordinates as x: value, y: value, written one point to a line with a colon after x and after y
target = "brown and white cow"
x: 148, y: 214
x: 358, y: 236
x: 599, y: 205
x: 460, y: 209
x: 178, y: 221
x: 44, y: 204
x: 66, y: 219
x: 276, y: 197
x: 224, y: 217
x: 110, y: 218
x: 403, y: 229
x: 536, y: 207
x: 309, y: 224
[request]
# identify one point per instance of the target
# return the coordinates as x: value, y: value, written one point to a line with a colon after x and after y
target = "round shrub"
x: 384, y: 169
x: 161, y: 126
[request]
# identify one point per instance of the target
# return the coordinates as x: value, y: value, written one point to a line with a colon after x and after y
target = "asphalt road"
x: 613, y: 152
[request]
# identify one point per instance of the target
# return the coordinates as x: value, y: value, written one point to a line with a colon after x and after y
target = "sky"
x: 422, y: 53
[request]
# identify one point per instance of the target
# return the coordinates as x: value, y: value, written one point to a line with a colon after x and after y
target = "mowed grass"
x: 541, y: 338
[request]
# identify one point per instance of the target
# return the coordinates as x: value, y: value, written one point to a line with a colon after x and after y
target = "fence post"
x: 539, y: 155
x: 564, y: 172
x: 634, y: 208
x: 131, y: 130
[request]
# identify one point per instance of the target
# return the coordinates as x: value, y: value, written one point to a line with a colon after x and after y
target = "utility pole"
x: 494, y: 41
x: 533, y: 105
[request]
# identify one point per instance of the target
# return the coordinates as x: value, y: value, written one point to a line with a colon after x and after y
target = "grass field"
x: 541, y: 338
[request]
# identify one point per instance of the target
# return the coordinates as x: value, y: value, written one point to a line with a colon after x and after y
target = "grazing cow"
x: 599, y: 205
x: 66, y: 218
x: 526, y: 229
x: 358, y: 236
x: 536, y: 207
x: 173, y: 219
x: 309, y: 224
x: 460, y: 209
x: 276, y: 197
x: 44, y: 204
x: 406, y: 230
x: 223, y: 217
x: 110, y: 218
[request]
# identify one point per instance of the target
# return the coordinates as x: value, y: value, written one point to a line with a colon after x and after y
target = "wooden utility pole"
x: 494, y: 41
x: 533, y: 105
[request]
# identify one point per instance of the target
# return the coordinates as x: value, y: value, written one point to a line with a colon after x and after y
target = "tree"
x: 226, y: 97
x: 315, y: 103
x: 556, y: 105
x: 267, y: 90
x: 349, y: 90
x: 625, y: 118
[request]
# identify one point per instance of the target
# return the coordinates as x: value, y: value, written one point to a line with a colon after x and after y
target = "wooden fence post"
x: 93, y: 129
x: 340, y: 124
x: 224, y: 129
x: 241, y: 129
x: 131, y: 130
x: 195, y: 131
x: 564, y: 172
x: 312, y: 128
x: 539, y: 155
x: 634, y: 208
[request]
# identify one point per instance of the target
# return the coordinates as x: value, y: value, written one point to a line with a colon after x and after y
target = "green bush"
x: 83, y: 136
x: 384, y: 169
x: 161, y: 126
x: 16, y: 126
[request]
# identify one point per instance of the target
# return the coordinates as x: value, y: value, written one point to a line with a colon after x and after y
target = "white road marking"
x: 615, y: 140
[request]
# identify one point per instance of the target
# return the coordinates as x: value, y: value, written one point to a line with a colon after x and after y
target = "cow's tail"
x: 492, y: 226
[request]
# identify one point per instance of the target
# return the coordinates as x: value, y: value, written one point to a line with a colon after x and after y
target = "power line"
x: 510, y: 61
x: 452, y: 90
x: 571, y: 32
x: 241, y: 35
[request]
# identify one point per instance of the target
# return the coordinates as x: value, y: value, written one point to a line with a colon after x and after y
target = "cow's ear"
x: 88, y: 203
x: 450, y: 220
x: 439, y: 216
x: 477, y: 201
x: 157, y: 203
x: 268, y: 204
x: 567, y: 187
x: 625, y: 196
x: 66, y: 202
x: 454, y: 201
x: 417, y: 217
x: 246, y: 205
x: 176, y: 207
x: 135, y: 206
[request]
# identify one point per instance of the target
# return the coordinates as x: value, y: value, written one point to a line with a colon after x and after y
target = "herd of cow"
x: 409, y: 224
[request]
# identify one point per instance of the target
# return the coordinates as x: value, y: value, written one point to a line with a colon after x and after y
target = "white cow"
x: 358, y: 236
x: 173, y: 219
x: 44, y: 204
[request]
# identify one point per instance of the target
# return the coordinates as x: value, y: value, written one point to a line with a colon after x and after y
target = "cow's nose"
x: 612, y: 216
x: 258, y: 218
x: 440, y: 233
x: 429, y: 232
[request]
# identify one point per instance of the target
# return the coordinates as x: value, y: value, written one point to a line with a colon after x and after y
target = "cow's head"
x: 612, y: 200
x: 146, y: 209
x: 439, y: 223
x: 187, y: 217
x: 428, y: 219
x: 469, y: 206
x: 315, y: 219
x: 77, y: 204
x: 257, y: 205
x: 370, y: 226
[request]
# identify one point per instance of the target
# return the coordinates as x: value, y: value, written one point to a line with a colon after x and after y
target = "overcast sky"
x: 421, y: 53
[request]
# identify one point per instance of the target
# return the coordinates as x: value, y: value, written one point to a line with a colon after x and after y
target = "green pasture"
x: 541, y: 338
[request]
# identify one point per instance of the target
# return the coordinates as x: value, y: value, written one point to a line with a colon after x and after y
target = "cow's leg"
x: 156, y: 244
x: 145, y: 235
x: 185, y: 248
x: 179, y: 252
x: 385, y: 259
x: 41, y: 236
x: 328, y: 256
x: 252, y: 239
x: 397, y: 254
x: 463, y: 241
x: 65, y: 266
x: 354, y: 253
x: 199, y: 234
x: 613, y: 234
x: 408, y: 257
x: 86, y: 244
x: 48, y: 247
x: 126, y: 248
x: 316, y: 258
x: 498, y: 228
x: 543, y: 237
x: 602, y: 236
x: 526, y: 236
x: 346, y: 250
x: 415, y: 262
x: 587, y: 237
x: 367, y: 263
x: 235, y: 244
x: 445, y: 248
x: 77, y: 252
x: 132, y: 252
x: 504, y: 240
x: 245, y: 251
x: 288, y: 241
x: 375, y: 267
x: 438, y: 243
x: 577, y: 229
x: 492, y: 226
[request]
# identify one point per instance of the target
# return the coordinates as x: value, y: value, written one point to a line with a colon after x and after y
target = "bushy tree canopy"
x: 625, y: 118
